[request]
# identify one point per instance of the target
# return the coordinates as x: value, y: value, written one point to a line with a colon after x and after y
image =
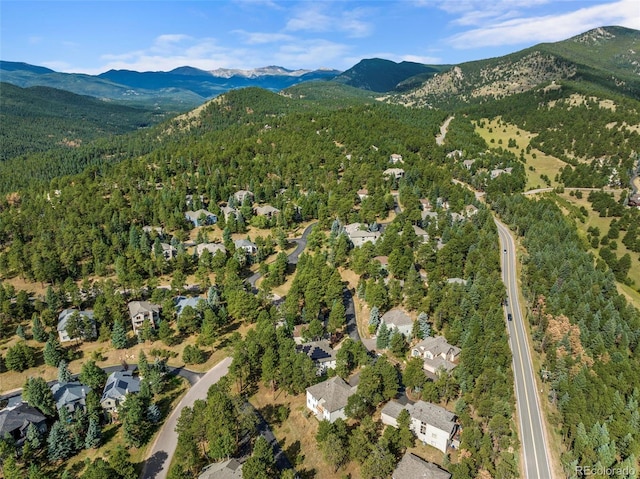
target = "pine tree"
x: 20, y: 332
x: 59, y: 442
x: 94, y: 434
x: 424, y: 328
x: 38, y: 394
x: 165, y: 333
x: 34, y: 437
x: 52, y: 351
x: 64, y: 375
x: 119, y: 335
x: 382, y: 340
x: 374, y: 317
x: 37, y: 330
x: 143, y: 364
x: 154, y: 414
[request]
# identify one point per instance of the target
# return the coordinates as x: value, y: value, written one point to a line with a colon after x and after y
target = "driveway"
x: 156, y: 465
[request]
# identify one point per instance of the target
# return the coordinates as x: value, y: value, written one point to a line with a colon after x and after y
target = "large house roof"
x: 397, y: 317
x: 433, y: 414
x: 182, y: 302
x: 19, y: 418
x: 332, y: 393
x: 318, y: 351
x: 436, y: 345
x: 137, y: 307
x: 229, y: 469
x: 414, y: 467
x: 68, y: 393
x: 64, y: 316
x: 119, y: 384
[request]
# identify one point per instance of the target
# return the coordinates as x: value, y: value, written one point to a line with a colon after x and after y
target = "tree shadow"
x: 154, y: 465
x: 307, y: 473
x: 293, y: 453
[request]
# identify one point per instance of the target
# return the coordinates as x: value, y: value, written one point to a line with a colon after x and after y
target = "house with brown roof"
x: 437, y: 354
x: 328, y: 399
x: 432, y: 424
x: 267, y: 211
x: 414, y: 467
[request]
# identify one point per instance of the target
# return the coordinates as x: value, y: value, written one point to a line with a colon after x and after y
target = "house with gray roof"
x: 437, y: 353
x: 359, y: 234
x: 119, y: 385
x: 182, y: 302
x: 431, y: 424
x: 71, y: 396
x: 228, y: 211
x: 229, y: 469
x: 321, y: 353
x: 241, y: 195
x: 267, y: 211
x: 14, y: 422
x: 201, y: 217
x: 168, y: 251
x: 246, y: 245
x: 396, y: 173
x: 141, y: 310
x: 398, y: 320
x: 414, y: 467
x: 85, y: 319
x: 328, y: 399
x: 212, y: 248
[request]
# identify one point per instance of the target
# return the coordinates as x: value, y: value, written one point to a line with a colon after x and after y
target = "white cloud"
x: 309, y: 54
x: 549, y: 28
x: 259, y: 38
x: 313, y: 18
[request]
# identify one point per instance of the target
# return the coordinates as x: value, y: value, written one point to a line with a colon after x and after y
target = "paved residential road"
x: 532, y: 432
x: 156, y: 465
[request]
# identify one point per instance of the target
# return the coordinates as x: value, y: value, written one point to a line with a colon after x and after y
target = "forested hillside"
x: 39, y: 119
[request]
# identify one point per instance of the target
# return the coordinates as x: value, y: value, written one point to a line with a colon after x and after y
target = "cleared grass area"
x: 296, y: 435
x: 543, y: 165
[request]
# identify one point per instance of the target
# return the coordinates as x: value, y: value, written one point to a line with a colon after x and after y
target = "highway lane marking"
x: 524, y: 381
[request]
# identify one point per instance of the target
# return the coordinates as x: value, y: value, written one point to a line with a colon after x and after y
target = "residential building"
x: 421, y: 234
x: 358, y: 234
x: 201, y: 217
x: 499, y: 171
x: 328, y: 399
x: 14, y: 422
x: 246, y: 245
x: 437, y: 354
x: 322, y: 354
x: 383, y: 260
x: 84, y: 317
x: 213, y: 248
x: 431, y: 424
x: 468, y: 164
x: 228, y: 211
x: 241, y: 195
x: 119, y: 384
x: 266, y: 210
x: 182, y: 302
x: 141, y: 310
x: 153, y: 229
x: 425, y: 204
x: 414, y: 467
x: 229, y: 469
x: 363, y: 193
x: 395, y: 158
x: 168, y: 251
x: 396, y: 173
x: 72, y: 395
x: 470, y: 210
x: 455, y: 154
x: 398, y: 320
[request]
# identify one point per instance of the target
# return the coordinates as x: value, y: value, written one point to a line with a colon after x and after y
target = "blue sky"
x: 93, y: 36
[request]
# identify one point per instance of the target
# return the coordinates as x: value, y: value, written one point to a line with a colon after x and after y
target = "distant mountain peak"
x: 595, y: 36
x: 258, y: 72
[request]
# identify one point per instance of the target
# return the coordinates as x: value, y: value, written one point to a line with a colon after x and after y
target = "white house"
x: 395, y: 158
x: 468, y: 164
x: 358, y: 234
x: 399, y: 320
x: 141, y: 310
x: 436, y: 353
x: 168, y: 251
x: 499, y: 171
x: 431, y: 424
x: 412, y: 466
x: 246, y: 245
x: 84, y: 317
x: 328, y: 399
x: 322, y: 354
x: 363, y: 193
x: 396, y: 173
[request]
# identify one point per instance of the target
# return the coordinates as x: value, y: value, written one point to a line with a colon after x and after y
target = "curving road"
x: 156, y: 465
x: 532, y: 432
